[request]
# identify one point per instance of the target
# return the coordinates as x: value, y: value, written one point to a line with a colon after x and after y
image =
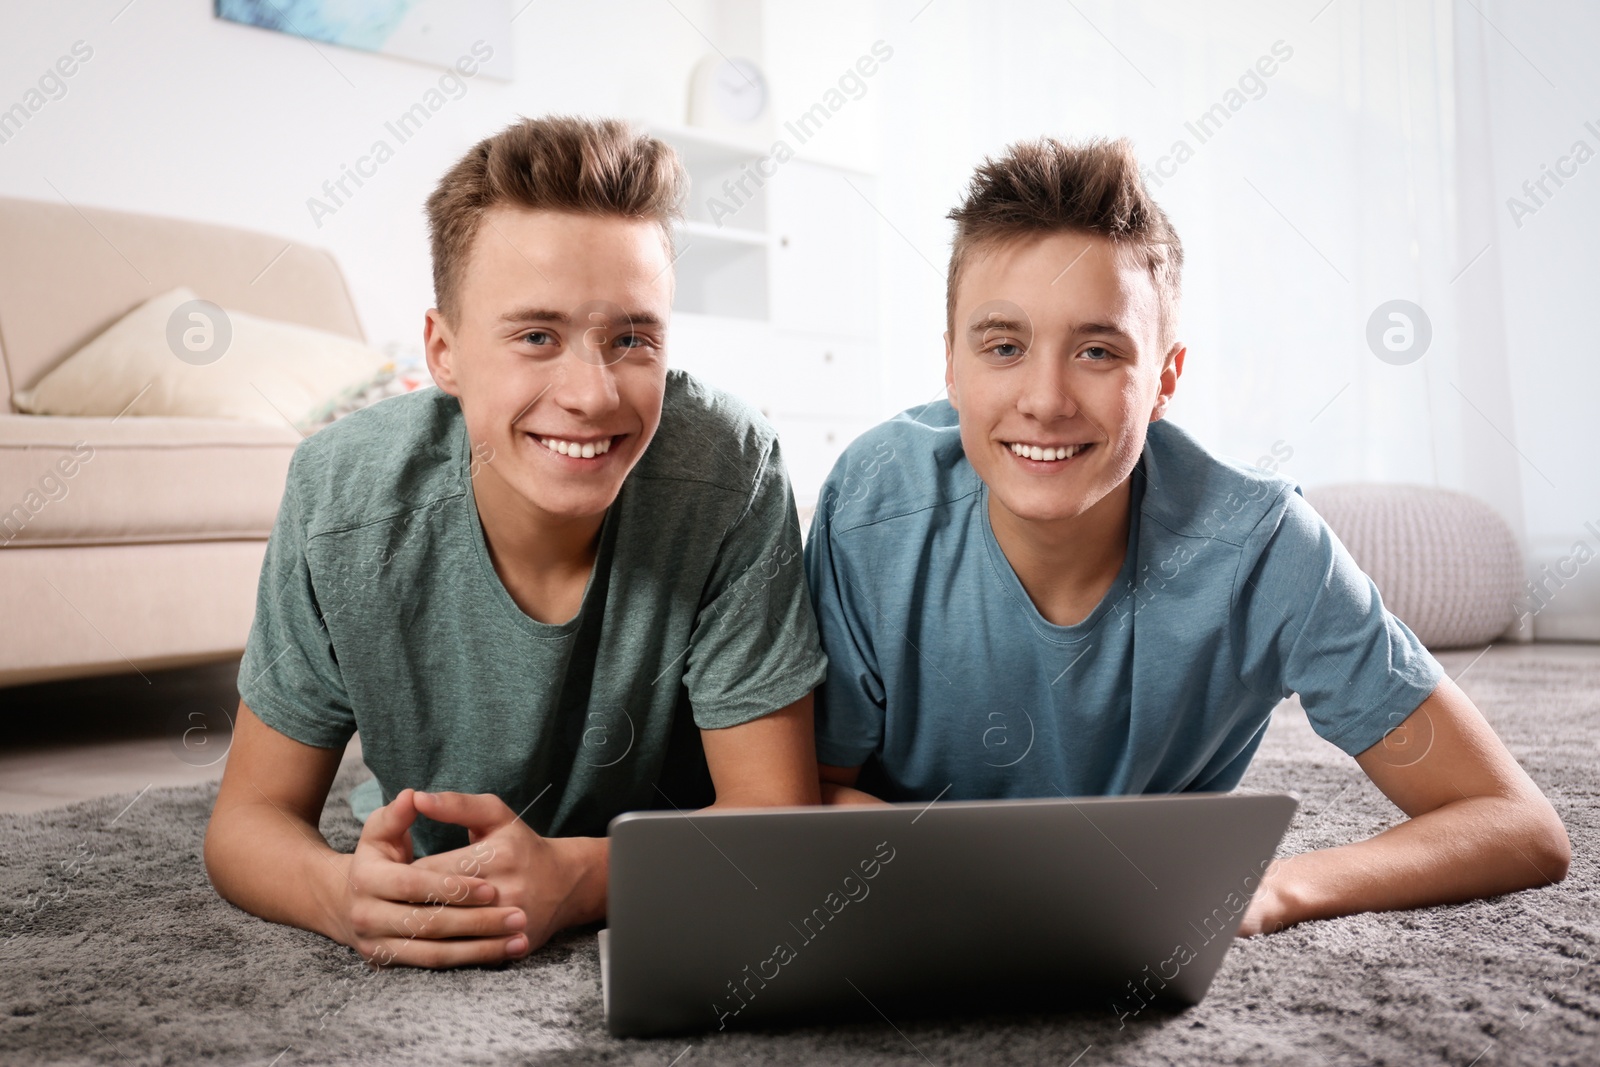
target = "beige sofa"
x: 134, y: 543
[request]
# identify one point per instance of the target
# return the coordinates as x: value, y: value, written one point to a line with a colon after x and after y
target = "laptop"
x: 784, y: 916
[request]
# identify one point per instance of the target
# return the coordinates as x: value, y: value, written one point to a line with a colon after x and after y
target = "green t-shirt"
x: 379, y: 610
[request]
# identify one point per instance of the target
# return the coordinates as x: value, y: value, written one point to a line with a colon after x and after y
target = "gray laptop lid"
x: 759, y: 918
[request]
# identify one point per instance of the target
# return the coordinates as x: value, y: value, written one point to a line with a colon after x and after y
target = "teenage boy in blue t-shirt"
x: 1039, y: 589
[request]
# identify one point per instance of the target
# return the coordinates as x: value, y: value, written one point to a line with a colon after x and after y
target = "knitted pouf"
x: 1446, y: 564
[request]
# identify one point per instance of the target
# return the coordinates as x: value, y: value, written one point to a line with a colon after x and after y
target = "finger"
x: 481, y: 888
x: 472, y: 861
x: 389, y: 828
x: 409, y: 883
x: 476, y: 811
x: 437, y: 922
x: 403, y: 952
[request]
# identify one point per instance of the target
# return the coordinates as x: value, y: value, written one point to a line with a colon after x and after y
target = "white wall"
x: 1539, y: 96
x: 179, y: 113
x: 1375, y: 164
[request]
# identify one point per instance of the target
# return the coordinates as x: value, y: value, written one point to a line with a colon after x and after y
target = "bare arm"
x: 1477, y: 826
x: 264, y: 853
x: 766, y: 762
x: 263, y: 849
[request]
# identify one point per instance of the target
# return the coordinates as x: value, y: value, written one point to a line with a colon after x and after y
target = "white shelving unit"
x: 777, y: 294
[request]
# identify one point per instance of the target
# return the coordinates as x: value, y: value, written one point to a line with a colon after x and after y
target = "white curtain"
x: 1371, y: 164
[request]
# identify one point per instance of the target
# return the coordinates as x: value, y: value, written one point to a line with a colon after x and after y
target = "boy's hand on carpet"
x: 394, y: 911
x: 556, y: 881
x: 1272, y: 906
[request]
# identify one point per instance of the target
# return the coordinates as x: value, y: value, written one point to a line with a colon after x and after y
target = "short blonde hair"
x: 559, y: 163
x: 1047, y: 186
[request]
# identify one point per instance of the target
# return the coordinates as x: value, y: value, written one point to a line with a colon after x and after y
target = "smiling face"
x: 558, y: 357
x: 1055, y: 365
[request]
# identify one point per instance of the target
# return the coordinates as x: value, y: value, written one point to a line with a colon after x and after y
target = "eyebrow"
x: 1106, y: 329
x: 996, y: 323
x: 642, y: 319
x: 534, y: 314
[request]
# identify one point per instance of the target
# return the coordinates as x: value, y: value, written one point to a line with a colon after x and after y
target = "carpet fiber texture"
x: 114, y: 948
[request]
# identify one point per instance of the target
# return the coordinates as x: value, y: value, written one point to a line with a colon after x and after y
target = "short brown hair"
x: 1046, y: 186
x: 559, y: 163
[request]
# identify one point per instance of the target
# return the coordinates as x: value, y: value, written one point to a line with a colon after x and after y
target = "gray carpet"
x: 113, y: 948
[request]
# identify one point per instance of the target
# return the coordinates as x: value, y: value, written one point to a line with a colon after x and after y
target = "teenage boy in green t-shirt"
x: 564, y: 584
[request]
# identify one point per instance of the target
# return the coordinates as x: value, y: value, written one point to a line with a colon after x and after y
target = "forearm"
x: 276, y: 865
x: 1474, y: 847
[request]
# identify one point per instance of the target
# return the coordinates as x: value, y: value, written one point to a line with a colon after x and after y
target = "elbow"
x: 1547, y: 845
x: 208, y: 852
x: 213, y: 854
x: 1555, y: 851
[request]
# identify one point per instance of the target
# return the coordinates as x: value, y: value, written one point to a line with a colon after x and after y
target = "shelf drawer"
x: 811, y: 447
x: 824, y: 256
x: 822, y: 377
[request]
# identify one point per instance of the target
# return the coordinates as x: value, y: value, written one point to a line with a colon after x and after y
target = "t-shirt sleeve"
x: 1308, y: 620
x: 754, y: 647
x: 289, y: 675
x: 850, y: 702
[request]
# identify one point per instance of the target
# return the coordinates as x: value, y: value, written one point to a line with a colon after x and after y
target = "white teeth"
x: 588, y: 450
x: 1046, y: 454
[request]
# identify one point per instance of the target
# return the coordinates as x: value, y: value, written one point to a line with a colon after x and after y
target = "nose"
x: 1046, y: 387
x: 587, y: 389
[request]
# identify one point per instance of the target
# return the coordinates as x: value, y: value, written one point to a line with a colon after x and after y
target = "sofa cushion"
x: 65, y: 278
x: 176, y: 354
x: 70, y: 481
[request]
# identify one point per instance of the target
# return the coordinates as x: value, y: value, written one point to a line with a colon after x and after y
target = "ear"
x: 1171, y: 371
x: 950, y: 371
x: 438, y: 348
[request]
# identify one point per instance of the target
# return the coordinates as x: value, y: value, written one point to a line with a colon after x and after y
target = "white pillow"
x: 163, y: 358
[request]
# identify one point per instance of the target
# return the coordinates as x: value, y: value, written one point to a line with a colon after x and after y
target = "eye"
x: 1002, y: 352
x: 539, y: 338
x: 637, y: 347
x: 1105, y: 354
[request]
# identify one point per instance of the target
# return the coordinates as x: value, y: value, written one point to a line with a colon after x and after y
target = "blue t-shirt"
x: 945, y: 681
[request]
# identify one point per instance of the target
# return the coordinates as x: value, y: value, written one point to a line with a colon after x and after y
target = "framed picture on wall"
x: 436, y: 32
